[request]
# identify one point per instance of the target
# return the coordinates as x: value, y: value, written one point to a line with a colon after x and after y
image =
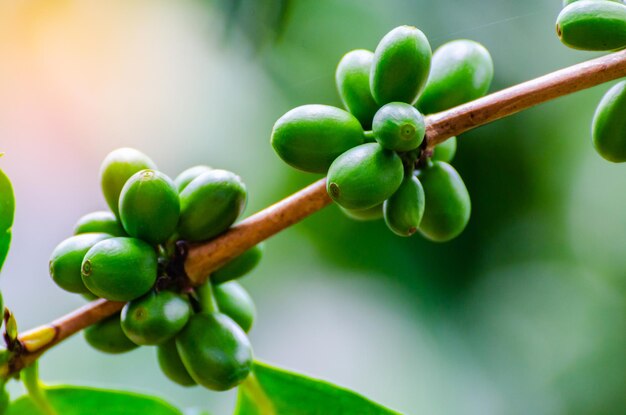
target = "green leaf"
x: 273, y: 391
x: 7, y: 211
x: 71, y: 400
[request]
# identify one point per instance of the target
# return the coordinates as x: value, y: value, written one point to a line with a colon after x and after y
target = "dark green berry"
x: 609, y: 125
x: 398, y: 126
x: 593, y: 25
x: 210, y: 204
x: 373, y: 213
x: 67, y: 258
x: 120, y: 269
x: 364, y: 176
x: 448, y: 205
x: 401, y: 65
x: 239, y: 266
x: 116, y: 169
x: 215, y: 351
x: 149, y: 206
x: 171, y: 365
x: 184, y: 178
x: 445, y: 151
x: 102, y: 222
x: 107, y: 336
x: 155, y: 317
x: 310, y: 137
x: 404, y: 210
x: 234, y: 301
x: 353, y: 83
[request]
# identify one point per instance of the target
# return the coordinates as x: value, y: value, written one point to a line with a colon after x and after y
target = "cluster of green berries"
x: 600, y: 25
x: 130, y: 254
x: 374, y: 153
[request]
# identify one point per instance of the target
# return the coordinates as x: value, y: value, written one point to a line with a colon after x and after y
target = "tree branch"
x: 204, y: 258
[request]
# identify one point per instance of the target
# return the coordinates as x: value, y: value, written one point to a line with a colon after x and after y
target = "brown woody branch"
x: 205, y: 258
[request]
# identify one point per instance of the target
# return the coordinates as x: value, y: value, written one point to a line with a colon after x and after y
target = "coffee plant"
x: 160, y: 266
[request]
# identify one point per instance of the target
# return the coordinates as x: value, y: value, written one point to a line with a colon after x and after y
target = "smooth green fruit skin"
x: 353, y: 83
x: 239, y: 266
x: 107, y: 336
x: 593, y: 25
x: 171, y: 365
x: 445, y: 151
x: 215, y: 351
x: 234, y: 301
x: 364, y: 177
x: 155, y: 317
x: 401, y: 65
x: 149, y: 206
x: 210, y: 204
x: 398, y: 126
x: 462, y: 71
x: 117, y: 167
x: 609, y: 125
x: 120, y: 269
x: 100, y: 221
x: 404, y: 210
x: 67, y: 259
x: 310, y: 137
x: 568, y: 2
x: 364, y: 215
x: 448, y: 205
x: 184, y: 178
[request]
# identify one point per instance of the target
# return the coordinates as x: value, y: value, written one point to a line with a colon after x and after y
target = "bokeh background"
x: 524, y: 313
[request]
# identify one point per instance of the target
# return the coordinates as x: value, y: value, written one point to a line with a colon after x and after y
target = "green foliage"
x: 72, y: 400
x: 274, y: 391
x: 7, y: 212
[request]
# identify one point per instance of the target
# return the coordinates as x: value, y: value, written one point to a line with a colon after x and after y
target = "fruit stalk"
x: 204, y: 258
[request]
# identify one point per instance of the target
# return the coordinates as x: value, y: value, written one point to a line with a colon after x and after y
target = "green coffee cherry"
x: 401, y: 65
x: 116, y: 169
x: 120, y: 269
x: 404, y: 210
x: 89, y: 296
x: 210, y: 204
x: 568, y: 2
x: 149, y: 207
x: 462, y: 71
x: 171, y: 365
x: 107, y: 336
x: 593, y: 25
x: 353, y: 83
x: 398, y: 126
x: 234, y: 301
x: 239, y: 266
x: 364, y: 176
x: 448, y: 203
x: 155, y: 317
x: 609, y: 125
x: 215, y: 351
x: 183, y: 179
x: 67, y: 258
x: 445, y: 151
x: 310, y: 137
x: 100, y: 222
x: 373, y: 213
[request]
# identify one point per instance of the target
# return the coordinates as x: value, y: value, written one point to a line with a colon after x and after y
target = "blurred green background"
x: 524, y: 313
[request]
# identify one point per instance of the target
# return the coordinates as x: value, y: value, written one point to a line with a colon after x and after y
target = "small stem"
x: 206, y: 297
x: 36, y: 390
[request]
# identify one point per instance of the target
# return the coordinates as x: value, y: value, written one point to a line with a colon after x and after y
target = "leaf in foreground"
x: 70, y: 400
x: 273, y: 391
x: 7, y: 211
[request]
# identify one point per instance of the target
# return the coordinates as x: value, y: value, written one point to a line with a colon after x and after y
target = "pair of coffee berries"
x: 600, y: 25
x: 128, y: 254
x: 597, y: 25
x: 372, y: 153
